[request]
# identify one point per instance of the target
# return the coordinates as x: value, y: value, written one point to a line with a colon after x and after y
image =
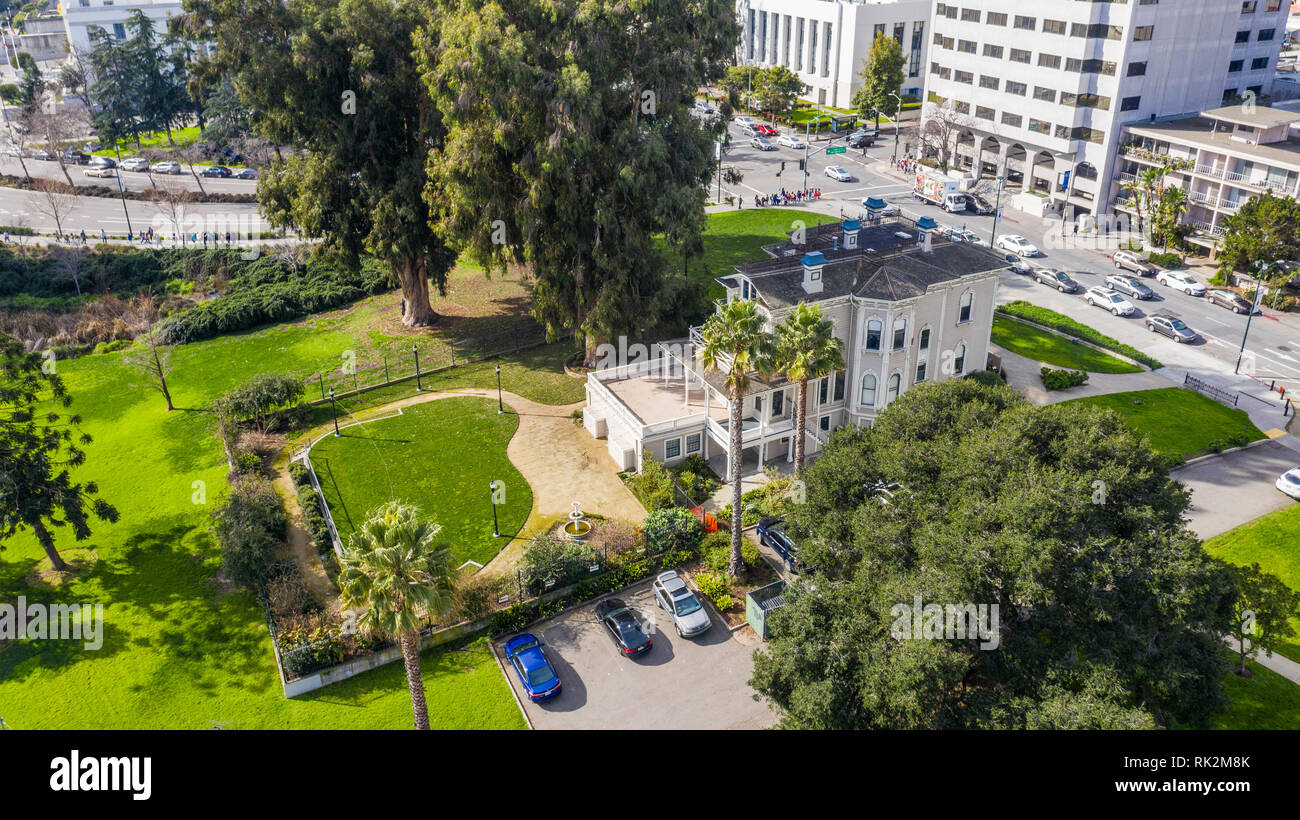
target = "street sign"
x: 836, y: 149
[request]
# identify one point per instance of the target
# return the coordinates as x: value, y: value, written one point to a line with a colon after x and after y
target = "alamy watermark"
x: 954, y: 622
x: 53, y: 622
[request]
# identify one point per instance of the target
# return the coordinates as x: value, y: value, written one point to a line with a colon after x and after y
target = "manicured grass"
x: 1265, y: 700
x: 1273, y: 542
x: 734, y: 237
x: 441, y: 456
x: 1177, y: 422
x: 181, y: 649
x: 1055, y: 350
x: 1058, y: 321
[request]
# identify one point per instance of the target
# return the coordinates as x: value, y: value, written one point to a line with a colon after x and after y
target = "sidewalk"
x: 1025, y: 375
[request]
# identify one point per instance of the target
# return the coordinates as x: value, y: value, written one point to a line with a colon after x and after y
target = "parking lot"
x: 1233, y: 488
x: 681, y: 683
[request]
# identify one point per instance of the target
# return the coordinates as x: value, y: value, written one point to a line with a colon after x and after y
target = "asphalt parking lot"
x: 681, y: 683
x: 1231, y: 489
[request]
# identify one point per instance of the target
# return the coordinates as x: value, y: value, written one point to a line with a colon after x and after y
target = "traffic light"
x: 801, y: 162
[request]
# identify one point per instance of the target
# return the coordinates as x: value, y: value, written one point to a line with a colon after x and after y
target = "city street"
x: 131, y: 180
x: 19, y: 208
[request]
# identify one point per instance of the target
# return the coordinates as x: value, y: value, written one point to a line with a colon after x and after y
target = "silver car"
x: 689, y: 615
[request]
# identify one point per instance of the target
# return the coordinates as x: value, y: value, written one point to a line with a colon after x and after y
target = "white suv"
x: 1110, y: 300
x: 788, y: 141
x: 1181, y: 281
x: 1016, y: 244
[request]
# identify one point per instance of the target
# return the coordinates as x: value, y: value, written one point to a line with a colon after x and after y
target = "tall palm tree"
x: 806, y: 348
x: 736, y: 344
x: 1173, y: 207
x: 393, y: 569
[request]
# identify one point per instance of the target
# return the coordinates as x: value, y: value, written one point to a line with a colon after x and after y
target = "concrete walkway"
x: 1285, y: 667
x: 1025, y: 375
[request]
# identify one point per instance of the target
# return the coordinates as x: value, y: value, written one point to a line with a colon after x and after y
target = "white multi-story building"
x: 79, y: 16
x: 1041, y: 90
x: 908, y: 307
x: 826, y: 42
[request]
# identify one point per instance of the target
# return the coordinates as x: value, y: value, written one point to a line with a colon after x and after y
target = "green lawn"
x: 1177, y: 422
x: 735, y: 237
x: 1265, y: 700
x: 442, y: 456
x: 1273, y: 542
x: 181, y: 650
x: 1055, y: 350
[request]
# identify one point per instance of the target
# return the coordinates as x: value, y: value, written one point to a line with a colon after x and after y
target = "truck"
x: 941, y: 191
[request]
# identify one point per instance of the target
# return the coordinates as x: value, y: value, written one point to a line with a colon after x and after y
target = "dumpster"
x: 760, y: 603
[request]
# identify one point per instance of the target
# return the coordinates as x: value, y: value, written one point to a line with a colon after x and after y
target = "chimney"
x: 851, y: 228
x: 925, y: 225
x: 812, y: 271
x: 875, y: 207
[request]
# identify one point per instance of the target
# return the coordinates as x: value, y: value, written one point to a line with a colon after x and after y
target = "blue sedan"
x: 534, y: 670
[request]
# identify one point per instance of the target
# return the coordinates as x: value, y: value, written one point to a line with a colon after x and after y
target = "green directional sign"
x: 836, y: 149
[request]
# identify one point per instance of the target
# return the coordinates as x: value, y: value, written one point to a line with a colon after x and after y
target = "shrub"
x: 256, y: 399
x: 249, y: 525
x: 1283, y: 302
x: 653, y: 486
x: 773, y: 499
x: 1062, y: 379
x: 247, y: 462
x: 113, y: 346
x: 988, y: 378
x: 549, y: 558
x: 716, y: 589
x: 723, y: 602
x: 677, y: 558
x: 718, y: 558
x: 1056, y: 321
x: 1165, y: 260
x: 672, y: 529
x: 298, y: 472
x: 514, y: 617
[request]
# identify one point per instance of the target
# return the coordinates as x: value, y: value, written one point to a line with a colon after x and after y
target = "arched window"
x: 959, y: 359
x: 900, y: 333
x: 895, y: 382
x: 869, y: 390
x: 963, y: 312
x: 874, y: 328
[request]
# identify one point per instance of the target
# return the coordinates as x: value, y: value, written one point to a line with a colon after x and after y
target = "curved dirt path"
x: 558, y: 458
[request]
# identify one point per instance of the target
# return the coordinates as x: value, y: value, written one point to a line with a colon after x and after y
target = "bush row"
x: 1056, y: 321
x: 309, y: 502
x: 1062, y: 379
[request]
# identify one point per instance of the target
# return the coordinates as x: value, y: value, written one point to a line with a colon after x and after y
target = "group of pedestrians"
x: 906, y: 165
x: 151, y: 237
x: 784, y: 197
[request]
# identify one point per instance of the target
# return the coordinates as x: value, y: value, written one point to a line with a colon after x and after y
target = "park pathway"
x: 1025, y: 375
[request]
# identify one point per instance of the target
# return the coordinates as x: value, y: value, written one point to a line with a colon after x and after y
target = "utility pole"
x: 897, y: 113
x: 997, y: 211
x: 1259, y: 297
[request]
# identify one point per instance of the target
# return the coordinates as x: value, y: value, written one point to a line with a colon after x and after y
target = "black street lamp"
x: 335, y: 411
x: 1259, y: 297
x: 416, y: 351
x: 496, y: 529
x: 500, y: 408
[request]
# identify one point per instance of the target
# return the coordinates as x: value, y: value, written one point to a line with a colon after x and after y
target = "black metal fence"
x: 1227, y: 397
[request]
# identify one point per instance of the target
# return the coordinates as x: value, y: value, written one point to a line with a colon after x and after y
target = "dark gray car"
x: 1129, y: 285
x: 1170, y: 325
x: 1058, y: 279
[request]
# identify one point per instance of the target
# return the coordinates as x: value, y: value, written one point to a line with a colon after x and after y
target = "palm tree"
x: 736, y: 344
x: 1173, y: 206
x: 806, y: 348
x: 393, y: 569
x: 1133, y: 188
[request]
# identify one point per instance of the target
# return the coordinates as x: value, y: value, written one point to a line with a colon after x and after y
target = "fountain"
x: 577, y: 529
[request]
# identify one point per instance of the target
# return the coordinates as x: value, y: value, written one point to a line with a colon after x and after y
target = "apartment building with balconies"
x: 1223, y: 156
x: 1041, y: 91
x: 908, y: 306
x: 826, y: 42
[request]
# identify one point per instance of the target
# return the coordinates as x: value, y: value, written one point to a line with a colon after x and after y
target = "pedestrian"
x: 103, y: 237
x: 129, y: 236
x: 6, y: 237
x: 83, y: 236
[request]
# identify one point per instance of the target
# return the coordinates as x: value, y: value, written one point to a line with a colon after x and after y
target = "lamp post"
x: 997, y: 210
x: 416, y: 352
x: 807, y: 134
x: 492, y: 488
x: 334, y: 410
x: 1259, y: 296
x: 897, y: 113
x: 500, y: 408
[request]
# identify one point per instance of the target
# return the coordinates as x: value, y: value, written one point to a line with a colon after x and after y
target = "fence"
x: 1217, y: 393
x: 683, y: 499
x: 351, y: 375
x: 305, y: 456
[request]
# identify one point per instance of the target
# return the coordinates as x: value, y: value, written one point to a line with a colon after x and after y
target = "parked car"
x: 1058, y: 279
x: 1110, y: 300
x: 533, y: 667
x: 764, y: 129
x: 102, y: 162
x: 688, y: 614
x: 748, y: 130
x: 1232, y: 301
x: 962, y: 235
x: 890, y: 208
x: 166, y: 167
x: 1179, y: 280
x: 743, y: 120
x: 76, y: 157
x: 43, y: 155
x: 246, y: 173
x: 1129, y: 261
x: 837, y: 173
x: 135, y: 164
x: 219, y: 171
x: 1289, y: 483
x: 771, y: 533
x: 92, y: 146
x: 978, y: 204
x: 623, y: 628
x: 1018, y: 265
x: 788, y: 141
x: 1170, y: 325
x: 762, y: 144
x: 100, y: 172
x: 1017, y: 245
x: 861, y: 139
x: 1133, y: 286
